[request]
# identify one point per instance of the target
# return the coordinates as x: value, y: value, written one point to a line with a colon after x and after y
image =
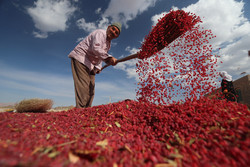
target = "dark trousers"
x: 84, y: 83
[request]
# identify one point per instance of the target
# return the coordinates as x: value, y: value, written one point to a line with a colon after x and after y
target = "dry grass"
x: 34, y: 105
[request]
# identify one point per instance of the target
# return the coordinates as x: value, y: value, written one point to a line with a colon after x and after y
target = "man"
x: 86, y: 61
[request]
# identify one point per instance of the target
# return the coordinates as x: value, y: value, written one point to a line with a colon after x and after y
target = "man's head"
x: 114, y: 30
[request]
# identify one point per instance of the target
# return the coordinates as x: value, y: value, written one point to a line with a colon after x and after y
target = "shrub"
x: 34, y: 105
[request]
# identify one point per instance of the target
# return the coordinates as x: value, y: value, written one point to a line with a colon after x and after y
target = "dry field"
x: 10, y: 108
x: 4, y: 108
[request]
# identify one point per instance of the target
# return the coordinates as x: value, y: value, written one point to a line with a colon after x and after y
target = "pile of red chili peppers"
x: 129, y: 133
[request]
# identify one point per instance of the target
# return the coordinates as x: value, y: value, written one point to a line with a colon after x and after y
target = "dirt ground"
x: 56, y: 109
x: 4, y: 109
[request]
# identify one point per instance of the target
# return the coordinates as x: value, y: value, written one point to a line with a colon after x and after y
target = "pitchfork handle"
x: 133, y: 56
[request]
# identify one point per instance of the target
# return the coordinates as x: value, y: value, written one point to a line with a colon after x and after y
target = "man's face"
x: 112, y: 32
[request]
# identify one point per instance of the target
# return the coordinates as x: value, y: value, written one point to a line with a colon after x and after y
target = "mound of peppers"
x: 204, y: 132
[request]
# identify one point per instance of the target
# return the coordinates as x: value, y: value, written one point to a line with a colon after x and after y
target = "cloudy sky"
x: 36, y: 37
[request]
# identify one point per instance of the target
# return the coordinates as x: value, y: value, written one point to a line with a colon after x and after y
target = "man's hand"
x: 98, y: 71
x: 111, y: 61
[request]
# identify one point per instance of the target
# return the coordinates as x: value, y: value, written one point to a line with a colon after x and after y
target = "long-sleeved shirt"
x: 92, y: 50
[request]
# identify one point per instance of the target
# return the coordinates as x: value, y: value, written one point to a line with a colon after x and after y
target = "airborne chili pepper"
x: 188, y: 62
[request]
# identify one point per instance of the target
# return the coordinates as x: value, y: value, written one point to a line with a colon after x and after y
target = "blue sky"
x: 37, y: 36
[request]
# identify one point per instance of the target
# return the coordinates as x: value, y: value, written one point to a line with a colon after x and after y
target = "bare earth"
x: 56, y: 109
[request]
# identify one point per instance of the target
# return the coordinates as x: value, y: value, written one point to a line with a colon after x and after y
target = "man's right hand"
x: 111, y: 61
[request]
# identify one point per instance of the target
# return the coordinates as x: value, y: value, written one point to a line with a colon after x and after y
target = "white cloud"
x: 156, y: 17
x: 32, y: 77
x: 129, y: 66
x: 50, y: 16
x: 117, y: 11
x: 18, y: 84
x: 91, y: 26
x: 80, y: 39
x: 131, y: 50
x: 103, y: 23
x: 29, y: 84
x: 124, y: 11
x: 107, y: 92
x: 98, y: 10
x: 234, y: 57
x: 88, y: 27
x: 225, y: 18
x: 36, y: 88
x: 232, y: 29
